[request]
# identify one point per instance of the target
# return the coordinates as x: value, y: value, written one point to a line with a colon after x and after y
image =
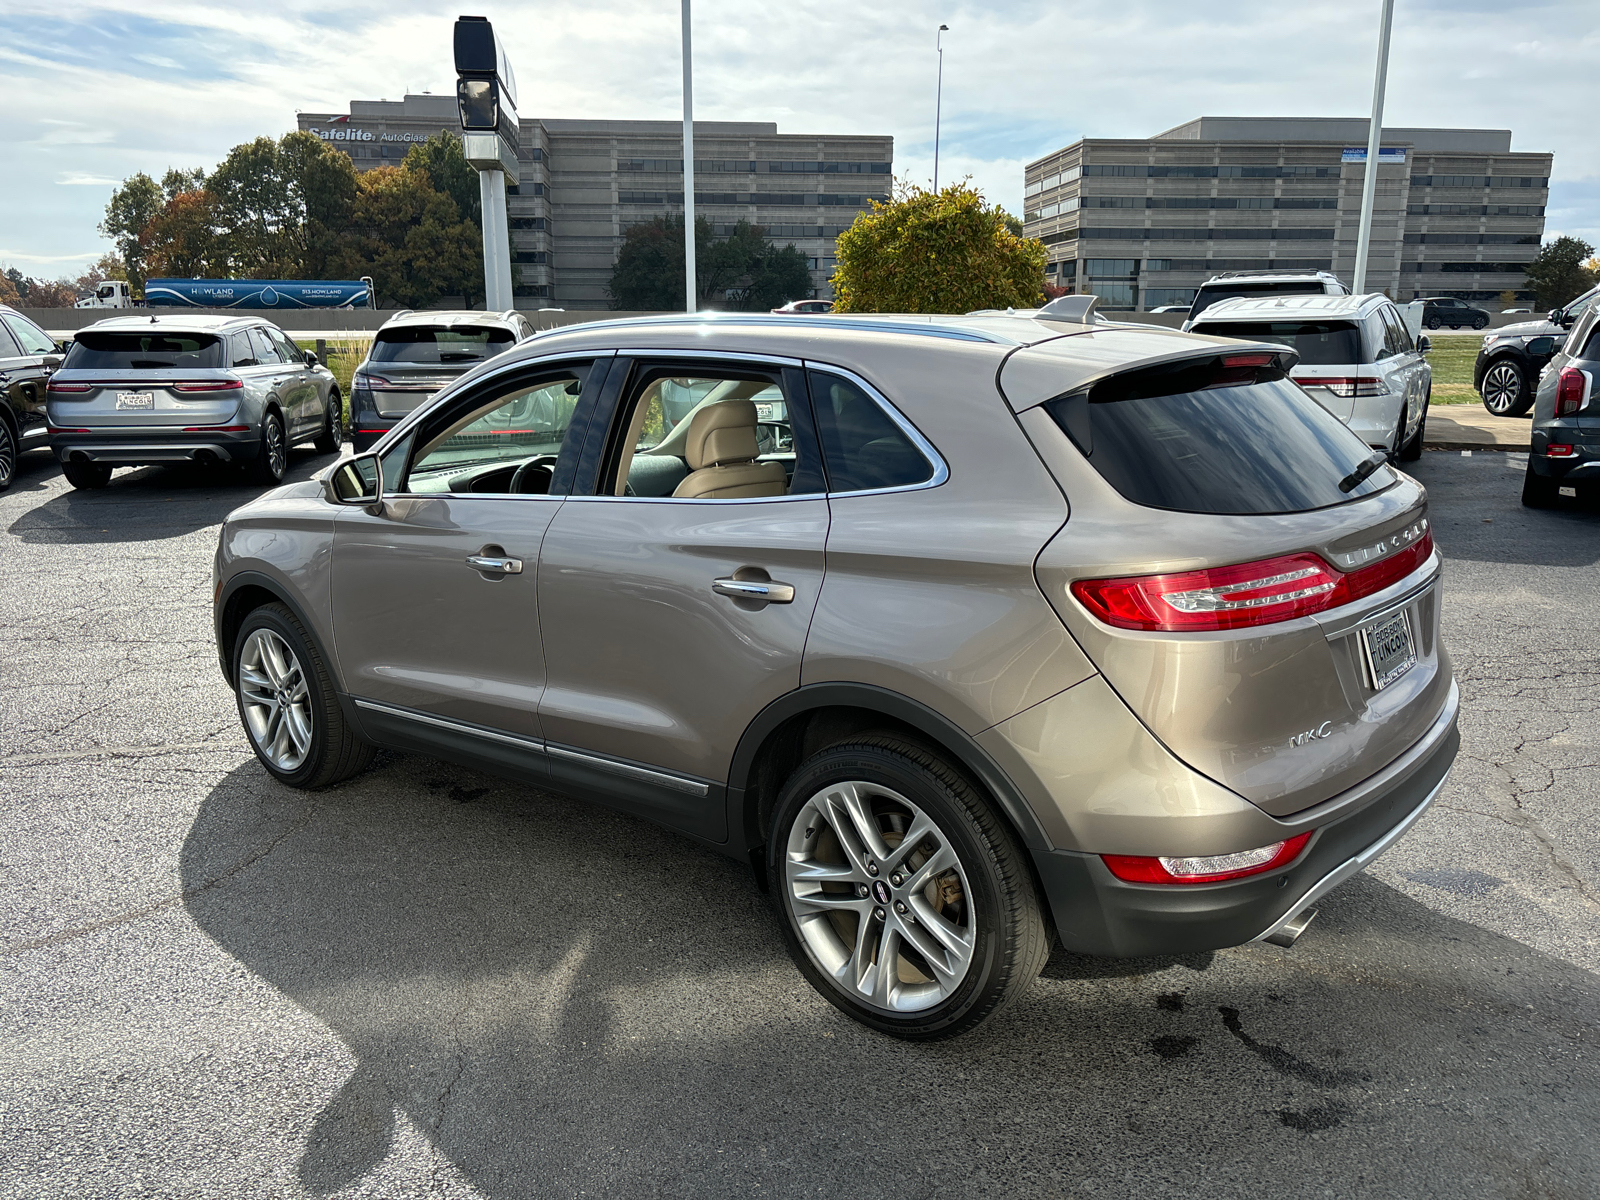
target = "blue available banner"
x: 257, y: 293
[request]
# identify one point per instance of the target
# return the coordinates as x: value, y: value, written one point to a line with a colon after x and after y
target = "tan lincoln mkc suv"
x: 970, y: 634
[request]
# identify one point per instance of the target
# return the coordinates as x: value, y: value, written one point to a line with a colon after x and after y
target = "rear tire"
x: 332, y: 435
x: 1411, y: 450
x: 1505, y: 389
x: 1480, y: 323
x: 86, y: 476
x: 288, y: 705
x: 1537, y: 491
x: 272, y: 460
x: 917, y: 960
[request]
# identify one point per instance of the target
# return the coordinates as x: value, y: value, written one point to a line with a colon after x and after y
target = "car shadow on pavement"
x: 142, y: 504
x: 561, y: 998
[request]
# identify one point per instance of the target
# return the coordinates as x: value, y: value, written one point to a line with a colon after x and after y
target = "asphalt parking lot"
x: 429, y: 982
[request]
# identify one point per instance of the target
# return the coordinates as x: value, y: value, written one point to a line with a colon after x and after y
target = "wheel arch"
x: 242, y: 595
x: 798, y: 724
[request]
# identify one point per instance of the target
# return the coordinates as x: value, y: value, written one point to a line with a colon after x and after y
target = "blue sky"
x: 102, y: 88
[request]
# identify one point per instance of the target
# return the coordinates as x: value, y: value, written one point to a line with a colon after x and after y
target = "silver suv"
x: 415, y: 354
x: 1025, y: 631
x: 188, y: 388
x: 1234, y: 285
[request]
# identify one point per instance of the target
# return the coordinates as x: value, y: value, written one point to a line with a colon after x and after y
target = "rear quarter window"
x: 1205, y: 437
x: 138, y: 351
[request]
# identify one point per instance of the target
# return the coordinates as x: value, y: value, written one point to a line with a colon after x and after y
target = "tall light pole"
x: 688, y: 164
x: 938, y: 101
x: 1369, y: 182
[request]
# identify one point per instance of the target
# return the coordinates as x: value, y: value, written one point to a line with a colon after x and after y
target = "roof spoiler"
x: 1078, y: 309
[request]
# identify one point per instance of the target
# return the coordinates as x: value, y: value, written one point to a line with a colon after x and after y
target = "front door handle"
x: 502, y: 565
x: 754, y: 589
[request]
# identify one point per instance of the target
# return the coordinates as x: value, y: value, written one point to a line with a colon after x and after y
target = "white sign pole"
x: 1369, y: 182
x: 497, y: 295
x: 688, y: 165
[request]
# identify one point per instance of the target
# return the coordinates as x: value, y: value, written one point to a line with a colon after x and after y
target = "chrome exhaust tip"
x: 1289, y: 932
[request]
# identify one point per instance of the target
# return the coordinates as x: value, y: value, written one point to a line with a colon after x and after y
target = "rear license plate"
x: 1390, y: 650
x: 135, y: 400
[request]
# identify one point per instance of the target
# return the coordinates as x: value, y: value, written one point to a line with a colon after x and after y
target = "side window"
x: 33, y: 339
x: 287, y: 350
x: 1402, y: 335
x: 261, y: 346
x: 712, y: 434
x: 1576, y: 309
x: 1379, y: 337
x: 502, y: 444
x: 240, y: 351
x: 864, y: 448
x: 8, y: 344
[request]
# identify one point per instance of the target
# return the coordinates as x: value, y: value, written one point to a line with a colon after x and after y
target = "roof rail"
x: 404, y: 312
x: 1275, y: 271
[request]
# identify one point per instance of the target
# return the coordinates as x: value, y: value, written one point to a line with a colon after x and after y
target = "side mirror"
x: 1424, y: 344
x: 311, y: 358
x: 1554, y: 316
x: 356, y: 482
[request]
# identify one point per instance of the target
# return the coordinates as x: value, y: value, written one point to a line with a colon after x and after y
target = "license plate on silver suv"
x: 1389, y: 648
x: 135, y: 400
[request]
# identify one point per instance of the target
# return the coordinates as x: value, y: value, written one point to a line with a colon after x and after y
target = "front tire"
x: 8, y: 454
x: 272, y: 460
x: 1480, y: 323
x: 1505, y: 389
x: 905, y: 899
x: 1434, y: 322
x: 288, y: 705
x: 332, y: 435
x: 86, y: 476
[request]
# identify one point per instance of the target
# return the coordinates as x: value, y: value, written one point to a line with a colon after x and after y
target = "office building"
x: 584, y: 182
x: 1143, y: 222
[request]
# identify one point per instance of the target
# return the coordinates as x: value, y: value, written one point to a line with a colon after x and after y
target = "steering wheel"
x: 541, y: 462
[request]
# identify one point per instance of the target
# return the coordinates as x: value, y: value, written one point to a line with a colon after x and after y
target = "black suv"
x: 1458, y: 314
x: 27, y: 357
x: 1508, y: 366
x: 1564, y: 459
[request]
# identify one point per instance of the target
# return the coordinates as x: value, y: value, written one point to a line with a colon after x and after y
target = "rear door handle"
x: 504, y: 566
x: 752, y: 589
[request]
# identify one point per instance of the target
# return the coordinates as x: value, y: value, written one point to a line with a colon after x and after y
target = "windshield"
x: 1210, y: 294
x: 422, y: 344
x: 1320, y: 343
x: 1203, y: 437
x: 130, y: 351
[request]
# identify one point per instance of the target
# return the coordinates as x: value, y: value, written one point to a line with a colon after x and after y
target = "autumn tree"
x: 133, y: 206
x: 948, y: 251
x: 182, y: 241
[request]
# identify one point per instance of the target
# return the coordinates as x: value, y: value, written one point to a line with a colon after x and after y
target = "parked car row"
x: 1512, y: 357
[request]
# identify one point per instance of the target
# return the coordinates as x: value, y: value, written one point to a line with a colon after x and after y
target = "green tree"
x: 936, y: 252
x: 648, y: 274
x: 1558, y: 274
x: 322, y: 184
x: 257, y: 212
x: 182, y: 242
x: 449, y: 172
x: 132, y: 207
x: 777, y: 275
x: 412, y: 241
x: 177, y: 181
x: 743, y: 270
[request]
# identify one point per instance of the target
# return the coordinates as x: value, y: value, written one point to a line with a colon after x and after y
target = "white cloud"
x: 83, y: 179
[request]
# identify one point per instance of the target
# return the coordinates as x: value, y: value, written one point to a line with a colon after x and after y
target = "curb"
x: 1494, y: 448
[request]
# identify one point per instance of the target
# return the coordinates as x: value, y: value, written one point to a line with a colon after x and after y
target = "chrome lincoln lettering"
x: 1321, y: 731
x: 1350, y: 559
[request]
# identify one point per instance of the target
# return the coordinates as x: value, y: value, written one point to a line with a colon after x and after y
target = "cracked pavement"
x: 433, y: 983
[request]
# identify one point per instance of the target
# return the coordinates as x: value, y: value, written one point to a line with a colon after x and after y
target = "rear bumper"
x: 1097, y: 913
x: 137, y: 447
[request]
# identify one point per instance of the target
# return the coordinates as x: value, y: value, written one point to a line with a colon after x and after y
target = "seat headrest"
x: 719, y: 433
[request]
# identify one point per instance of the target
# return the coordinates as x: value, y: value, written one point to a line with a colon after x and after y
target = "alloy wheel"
x: 277, y: 455
x: 8, y: 456
x: 276, y: 700
x: 1502, y: 388
x: 879, y: 897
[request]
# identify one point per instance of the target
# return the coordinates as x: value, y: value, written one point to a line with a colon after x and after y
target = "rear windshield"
x: 460, y: 344
x: 1209, y: 294
x: 1204, y: 437
x: 1320, y: 343
x: 129, y: 351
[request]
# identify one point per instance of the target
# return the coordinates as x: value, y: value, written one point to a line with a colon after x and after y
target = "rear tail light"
x: 1246, y: 594
x: 74, y: 388
x: 209, y: 385
x: 375, y: 382
x: 1569, y: 391
x: 1132, y: 868
x: 1346, y: 387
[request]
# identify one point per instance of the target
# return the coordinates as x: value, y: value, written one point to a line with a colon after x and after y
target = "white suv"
x: 1232, y: 285
x: 1357, y: 359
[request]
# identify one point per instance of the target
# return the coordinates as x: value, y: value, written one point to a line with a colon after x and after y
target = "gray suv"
x: 188, y: 388
x: 1564, y: 460
x: 1028, y: 631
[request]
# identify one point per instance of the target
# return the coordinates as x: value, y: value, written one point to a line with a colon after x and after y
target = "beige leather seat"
x: 721, y: 451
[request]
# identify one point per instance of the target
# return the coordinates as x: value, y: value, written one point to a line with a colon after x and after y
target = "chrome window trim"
x: 776, y: 360
x: 668, y: 779
x: 941, y: 472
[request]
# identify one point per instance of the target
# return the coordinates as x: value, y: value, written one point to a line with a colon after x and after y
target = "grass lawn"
x: 1452, y: 357
x: 345, y: 355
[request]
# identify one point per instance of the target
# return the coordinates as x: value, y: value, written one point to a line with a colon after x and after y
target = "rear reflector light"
x: 64, y: 429
x: 1569, y: 391
x: 1246, y: 594
x: 375, y: 382
x: 216, y: 429
x: 1346, y: 388
x: 208, y: 385
x: 70, y: 387
x: 1214, y: 868
x: 1561, y: 451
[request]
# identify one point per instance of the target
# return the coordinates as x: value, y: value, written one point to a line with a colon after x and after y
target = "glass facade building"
x: 584, y: 182
x: 1142, y: 223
